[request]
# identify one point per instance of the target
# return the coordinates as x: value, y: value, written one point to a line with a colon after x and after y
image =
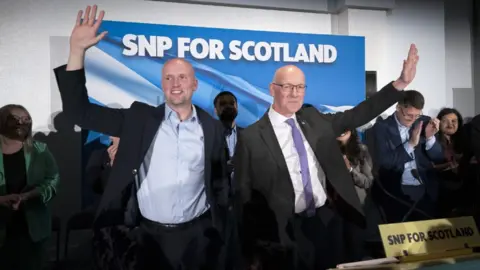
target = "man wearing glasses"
x: 405, y: 148
x: 290, y: 158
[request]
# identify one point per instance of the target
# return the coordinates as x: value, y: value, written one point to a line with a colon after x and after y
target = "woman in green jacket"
x: 28, y: 181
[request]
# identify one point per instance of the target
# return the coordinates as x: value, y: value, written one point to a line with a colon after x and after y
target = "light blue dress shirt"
x: 407, y: 177
x: 172, y: 188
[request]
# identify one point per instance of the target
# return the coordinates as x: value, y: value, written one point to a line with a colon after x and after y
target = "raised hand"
x: 112, y: 151
x: 432, y: 128
x: 84, y: 34
x: 415, y: 137
x: 409, y: 69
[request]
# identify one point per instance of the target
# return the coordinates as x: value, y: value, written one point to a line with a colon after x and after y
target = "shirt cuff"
x: 408, y: 148
x: 430, y: 142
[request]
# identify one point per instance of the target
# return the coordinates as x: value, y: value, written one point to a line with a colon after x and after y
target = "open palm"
x: 410, y: 65
x: 84, y: 34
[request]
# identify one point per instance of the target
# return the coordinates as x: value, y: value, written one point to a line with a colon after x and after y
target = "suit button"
x: 134, y: 171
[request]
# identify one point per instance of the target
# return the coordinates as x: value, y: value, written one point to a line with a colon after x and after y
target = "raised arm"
x: 381, y: 101
x: 71, y: 80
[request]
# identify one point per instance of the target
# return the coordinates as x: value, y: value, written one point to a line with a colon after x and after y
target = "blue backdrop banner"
x: 239, y: 61
x: 126, y: 66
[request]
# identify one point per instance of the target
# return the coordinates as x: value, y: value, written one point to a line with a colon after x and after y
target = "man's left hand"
x: 432, y: 128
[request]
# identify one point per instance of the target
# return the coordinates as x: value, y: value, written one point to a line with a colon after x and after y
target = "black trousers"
x: 19, y: 252
x: 319, y: 240
x: 195, y: 245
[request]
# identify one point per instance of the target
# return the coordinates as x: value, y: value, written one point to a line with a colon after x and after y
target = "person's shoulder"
x: 381, y: 122
x: 475, y: 122
x: 39, y: 146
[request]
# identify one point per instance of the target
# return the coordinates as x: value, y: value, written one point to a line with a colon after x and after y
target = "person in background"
x: 359, y: 164
x: 28, y: 181
x: 405, y: 147
x: 226, y: 108
x: 450, y: 138
x: 113, y: 248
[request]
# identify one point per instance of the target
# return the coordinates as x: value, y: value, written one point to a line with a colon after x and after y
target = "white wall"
x: 26, y: 26
x: 458, y: 56
x: 444, y: 45
x: 388, y: 36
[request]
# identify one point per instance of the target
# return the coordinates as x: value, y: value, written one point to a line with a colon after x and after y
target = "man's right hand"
x: 84, y: 36
x: 415, y: 137
x: 10, y: 200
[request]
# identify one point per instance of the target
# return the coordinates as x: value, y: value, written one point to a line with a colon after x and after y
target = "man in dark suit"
x: 170, y: 167
x: 405, y: 147
x: 226, y: 108
x: 291, y: 158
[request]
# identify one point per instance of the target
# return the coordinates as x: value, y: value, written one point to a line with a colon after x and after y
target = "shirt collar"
x: 169, y: 113
x: 276, y: 118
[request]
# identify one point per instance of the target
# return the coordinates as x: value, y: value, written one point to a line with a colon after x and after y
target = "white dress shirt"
x: 283, y: 131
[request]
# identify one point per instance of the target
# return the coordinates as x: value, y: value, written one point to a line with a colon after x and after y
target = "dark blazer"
x: 136, y: 127
x: 260, y: 168
x: 391, y: 156
x: 389, y: 163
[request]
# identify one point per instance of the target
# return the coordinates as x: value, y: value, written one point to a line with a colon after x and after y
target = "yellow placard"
x: 431, y: 236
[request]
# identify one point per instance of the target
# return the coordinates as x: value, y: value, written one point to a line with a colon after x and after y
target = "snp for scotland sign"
x: 126, y: 65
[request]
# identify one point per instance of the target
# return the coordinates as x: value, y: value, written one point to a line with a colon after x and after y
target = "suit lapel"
x: 208, y: 136
x: 393, y: 129
x: 310, y: 134
x: 270, y: 139
x: 151, y: 127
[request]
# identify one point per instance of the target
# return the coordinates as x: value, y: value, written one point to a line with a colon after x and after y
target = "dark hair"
x: 456, y: 138
x: 412, y: 98
x: 352, y: 148
x: 224, y: 93
x: 5, y: 112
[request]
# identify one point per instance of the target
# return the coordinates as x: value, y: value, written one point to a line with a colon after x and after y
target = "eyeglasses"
x: 410, y: 116
x: 288, y: 88
x: 21, y: 119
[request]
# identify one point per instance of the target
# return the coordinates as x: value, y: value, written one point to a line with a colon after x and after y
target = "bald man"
x: 291, y: 161
x: 170, y: 170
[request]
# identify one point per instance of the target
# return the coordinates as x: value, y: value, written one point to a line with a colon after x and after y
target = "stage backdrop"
x: 126, y: 66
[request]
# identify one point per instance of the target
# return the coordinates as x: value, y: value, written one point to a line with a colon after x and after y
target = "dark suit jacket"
x: 260, y: 168
x: 136, y: 127
x: 389, y: 162
x: 391, y: 157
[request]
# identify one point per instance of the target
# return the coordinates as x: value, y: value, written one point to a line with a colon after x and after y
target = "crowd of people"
x: 298, y: 189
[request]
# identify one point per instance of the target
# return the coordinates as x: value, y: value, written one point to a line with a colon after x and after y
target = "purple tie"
x: 302, y: 154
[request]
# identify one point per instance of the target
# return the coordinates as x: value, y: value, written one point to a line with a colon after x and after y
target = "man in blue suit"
x: 405, y: 147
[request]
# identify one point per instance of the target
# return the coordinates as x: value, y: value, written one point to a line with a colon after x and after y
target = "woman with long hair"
x: 28, y: 181
x: 450, y: 137
x: 359, y: 163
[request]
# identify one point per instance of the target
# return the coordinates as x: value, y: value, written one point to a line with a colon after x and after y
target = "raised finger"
x: 98, y: 22
x: 87, y: 15
x: 79, y: 17
x: 93, y: 14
